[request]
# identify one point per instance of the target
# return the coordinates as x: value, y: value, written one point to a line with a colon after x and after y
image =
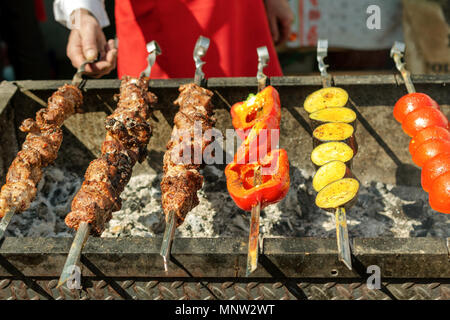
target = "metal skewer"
x: 200, y: 49
x: 6, y: 220
x: 253, y: 238
x: 73, y: 258
x: 343, y: 242
x: 153, y: 50
x: 75, y: 252
x: 78, y: 79
x: 397, y: 54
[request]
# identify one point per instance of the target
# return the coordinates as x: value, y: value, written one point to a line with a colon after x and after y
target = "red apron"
x: 235, y: 27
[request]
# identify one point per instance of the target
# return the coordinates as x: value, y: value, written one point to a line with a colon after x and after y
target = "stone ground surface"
x: 381, y: 211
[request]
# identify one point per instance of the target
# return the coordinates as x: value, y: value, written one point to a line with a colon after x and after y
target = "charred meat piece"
x: 127, y: 137
x: 182, y: 159
x: 39, y: 149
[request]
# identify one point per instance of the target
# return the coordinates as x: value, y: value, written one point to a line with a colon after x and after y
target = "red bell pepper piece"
x: 274, y: 180
x: 262, y: 105
x: 258, y: 141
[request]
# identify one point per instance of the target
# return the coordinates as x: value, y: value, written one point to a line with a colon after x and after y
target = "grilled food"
x: 330, y: 172
x: 325, y: 98
x: 181, y: 179
x: 341, y: 193
x: 335, y: 114
x: 128, y: 134
x: 422, y: 119
x: 330, y: 151
x: 39, y: 149
x: 335, y: 146
x: 335, y: 131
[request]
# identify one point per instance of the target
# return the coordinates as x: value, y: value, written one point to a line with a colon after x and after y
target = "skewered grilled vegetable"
x: 429, y: 150
x: 330, y: 172
x: 39, y: 149
x: 423, y: 118
x: 325, y: 98
x: 255, y: 152
x: 265, y: 104
x: 258, y: 140
x: 181, y: 181
x: 335, y: 131
x: 426, y: 134
x: 336, y: 114
x: 330, y: 151
x: 274, y: 184
x: 411, y: 102
x: 434, y: 168
x: 128, y: 134
x: 440, y: 194
x: 341, y: 193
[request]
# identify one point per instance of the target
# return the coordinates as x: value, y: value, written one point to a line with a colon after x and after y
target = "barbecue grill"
x: 214, y: 268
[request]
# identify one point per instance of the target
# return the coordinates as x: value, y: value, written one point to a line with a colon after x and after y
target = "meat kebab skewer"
x: 127, y: 137
x: 182, y: 179
x: 40, y: 148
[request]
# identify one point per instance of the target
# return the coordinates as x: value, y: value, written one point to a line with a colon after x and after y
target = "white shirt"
x: 62, y: 9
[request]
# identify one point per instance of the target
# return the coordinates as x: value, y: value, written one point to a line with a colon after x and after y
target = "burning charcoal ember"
x: 45, y: 216
x: 382, y: 210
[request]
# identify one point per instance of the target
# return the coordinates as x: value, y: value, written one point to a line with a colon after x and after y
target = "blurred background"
x: 33, y: 44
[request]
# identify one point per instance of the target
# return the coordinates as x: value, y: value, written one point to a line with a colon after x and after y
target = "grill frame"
x: 290, y: 268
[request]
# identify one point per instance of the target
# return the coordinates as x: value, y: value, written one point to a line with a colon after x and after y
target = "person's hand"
x: 87, y: 41
x: 280, y: 18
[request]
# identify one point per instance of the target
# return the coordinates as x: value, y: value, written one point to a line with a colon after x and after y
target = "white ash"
x: 45, y: 217
x: 382, y: 211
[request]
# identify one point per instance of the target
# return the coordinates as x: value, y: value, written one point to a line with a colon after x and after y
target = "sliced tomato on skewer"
x: 440, y: 194
x: 426, y: 134
x: 410, y: 102
x: 429, y: 150
x: 434, y: 168
x: 423, y: 118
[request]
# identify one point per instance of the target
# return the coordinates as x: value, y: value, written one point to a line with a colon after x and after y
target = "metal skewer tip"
x: 168, y: 238
x: 343, y: 242
x: 201, y: 47
x: 322, y: 52
x: 153, y: 50
x: 397, y: 51
x: 77, y: 79
x: 75, y: 252
x: 5, y: 221
x: 253, y: 238
x: 263, y: 60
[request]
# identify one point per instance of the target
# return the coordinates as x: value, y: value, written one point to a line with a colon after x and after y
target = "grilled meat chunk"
x: 40, y: 148
x: 182, y: 159
x: 127, y: 137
